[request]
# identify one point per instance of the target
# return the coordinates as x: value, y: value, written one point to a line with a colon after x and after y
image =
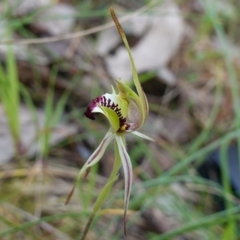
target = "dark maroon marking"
x: 88, y: 113
x: 113, y: 106
x: 86, y: 173
x: 108, y: 104
x: 103, y: 101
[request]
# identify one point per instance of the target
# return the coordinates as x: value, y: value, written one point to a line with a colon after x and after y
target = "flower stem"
x: 104, y: 193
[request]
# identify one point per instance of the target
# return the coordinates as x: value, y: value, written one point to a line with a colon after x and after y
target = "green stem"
x: 231, y: 224
x: 104, y: 193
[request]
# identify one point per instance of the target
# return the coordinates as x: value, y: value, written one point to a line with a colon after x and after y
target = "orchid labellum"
x: 126, y: 112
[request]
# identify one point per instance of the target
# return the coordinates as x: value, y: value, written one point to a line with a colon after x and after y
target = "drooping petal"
x: 113, y: 106
x: 143, y: 101
x: 98, y: 153
x: 143, y: 136
x: 128, y: 176
x: 93, y: 159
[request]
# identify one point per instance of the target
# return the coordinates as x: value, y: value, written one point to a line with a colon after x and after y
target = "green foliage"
x: 17, y: 205
x: 9, y: 94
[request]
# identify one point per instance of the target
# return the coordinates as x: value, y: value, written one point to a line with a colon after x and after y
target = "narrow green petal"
x: 143, y: 136
x: 143, y: 100
x: 128, y: 176
x: 93, y: 159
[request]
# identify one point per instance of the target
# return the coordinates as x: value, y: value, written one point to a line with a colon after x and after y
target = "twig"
x: 81, y: 33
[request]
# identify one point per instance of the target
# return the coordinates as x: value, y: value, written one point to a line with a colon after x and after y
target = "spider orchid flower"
x: 126, y: 112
